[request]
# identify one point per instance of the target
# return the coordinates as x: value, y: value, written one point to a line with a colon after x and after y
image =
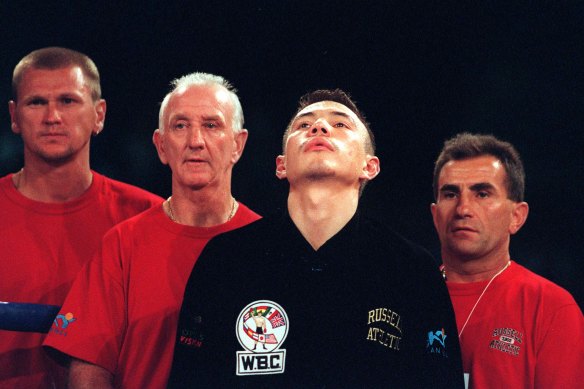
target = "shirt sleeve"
x: 442, y: 335
x: 94, y: 311
x: 560, y: 354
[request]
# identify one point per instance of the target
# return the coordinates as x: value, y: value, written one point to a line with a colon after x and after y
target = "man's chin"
x: 197, y: 184
x: 320, y: 170
x: 464, y: 251
x: 57, y: 159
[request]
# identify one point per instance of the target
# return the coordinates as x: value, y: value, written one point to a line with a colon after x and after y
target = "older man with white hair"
x: 126, y: 303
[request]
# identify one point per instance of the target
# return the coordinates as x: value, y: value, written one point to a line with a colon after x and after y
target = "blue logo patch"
x: 61, y: 323
x: 436, y: 342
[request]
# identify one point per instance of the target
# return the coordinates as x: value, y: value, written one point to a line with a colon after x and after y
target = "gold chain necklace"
x: 234, y: 206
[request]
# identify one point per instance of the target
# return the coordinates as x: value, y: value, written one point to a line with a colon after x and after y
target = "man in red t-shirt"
x: 55, y: 210
x: 125, y: 303
x: 516, y: 329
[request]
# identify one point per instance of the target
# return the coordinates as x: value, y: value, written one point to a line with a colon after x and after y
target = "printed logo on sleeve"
x: 261, y: 328
x: 436, y: 343
x: 62, y: 322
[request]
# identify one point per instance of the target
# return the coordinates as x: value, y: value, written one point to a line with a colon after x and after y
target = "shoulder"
x: 246, y: 244
x: 399, y: 263
x: 549, y: 293
x: 243, y: 216
x: 6, y: 184
x: 140, y: 223
x: 123, y: 191
x: 381, y: 238
x: 247, y: 236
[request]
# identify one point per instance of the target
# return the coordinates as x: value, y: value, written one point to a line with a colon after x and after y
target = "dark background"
x: 421, y: 71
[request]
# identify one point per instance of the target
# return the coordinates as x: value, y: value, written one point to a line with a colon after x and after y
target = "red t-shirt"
x: 42, y: 248
x: 526, y: 332
x: 124, y: 306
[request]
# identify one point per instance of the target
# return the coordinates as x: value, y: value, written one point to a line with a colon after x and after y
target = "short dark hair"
x: 467, y: 145
x: 53, y: 58
x: 338, y: 96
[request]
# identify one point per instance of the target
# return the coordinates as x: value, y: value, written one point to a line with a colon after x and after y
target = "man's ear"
x: 158, y: 141
x: 100, y: 109
x: 281, y: 167
x: 433, y: 212
x: 371, y: 168
x: 239, y: 139
x: 13, y: 123
x: 518, y: 216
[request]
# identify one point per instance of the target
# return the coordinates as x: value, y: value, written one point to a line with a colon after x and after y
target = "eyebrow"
x: 32, y: 97
x: 41, y: 97
x: 183, y: 116
x: 449, y: 188
x: 213, y: 117
x: 475, y: 187
x: 178, y: 116
x: 481, y: 186
x: 334, y: 113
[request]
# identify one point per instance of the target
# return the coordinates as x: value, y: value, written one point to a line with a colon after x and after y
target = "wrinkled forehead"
x: 473, y: 170
x: 328, y: 109
x: 212, y: 91
x: 202, y: 95
x: 69, y: 76
x: 199, y: 97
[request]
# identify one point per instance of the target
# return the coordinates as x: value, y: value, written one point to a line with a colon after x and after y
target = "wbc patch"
x: 261, y: 328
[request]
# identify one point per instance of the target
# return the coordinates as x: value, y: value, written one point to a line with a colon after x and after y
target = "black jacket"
x: 368, y: 309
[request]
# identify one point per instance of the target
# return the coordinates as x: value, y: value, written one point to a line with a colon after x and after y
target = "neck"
x: 320, y: 213
x: 52, y: 184
x: 473, y: 271
x: 201, y: 208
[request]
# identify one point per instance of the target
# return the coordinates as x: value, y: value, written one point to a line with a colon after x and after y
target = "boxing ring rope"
x: 27, y: 317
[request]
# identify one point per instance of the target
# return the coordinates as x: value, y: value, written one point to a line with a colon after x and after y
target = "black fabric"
x: 332, y: 297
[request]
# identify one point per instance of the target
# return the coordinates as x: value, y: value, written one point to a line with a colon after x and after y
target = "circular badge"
x: 262, y: 326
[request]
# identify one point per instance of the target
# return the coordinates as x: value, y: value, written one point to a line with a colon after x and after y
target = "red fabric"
x: 42, y: 248
x: 525, y: 332
x: 126, y: 302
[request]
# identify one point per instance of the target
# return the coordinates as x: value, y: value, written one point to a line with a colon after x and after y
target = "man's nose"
x: 52, y: 113
x: 196, y: 139
x: 464, y: 206
x: 320, y: 127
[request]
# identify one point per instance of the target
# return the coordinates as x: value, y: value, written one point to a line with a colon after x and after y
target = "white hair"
x: 203, y: 79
